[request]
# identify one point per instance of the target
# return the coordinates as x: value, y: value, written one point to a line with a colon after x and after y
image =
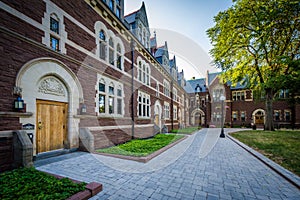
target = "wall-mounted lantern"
x: 83, y: 109
x: 19, y: 104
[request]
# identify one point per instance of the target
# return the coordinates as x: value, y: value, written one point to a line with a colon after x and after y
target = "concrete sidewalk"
x: 193, y: 169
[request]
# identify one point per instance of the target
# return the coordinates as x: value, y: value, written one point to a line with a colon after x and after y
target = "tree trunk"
x: 269, y: 125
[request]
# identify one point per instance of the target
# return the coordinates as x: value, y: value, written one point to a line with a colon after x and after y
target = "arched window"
x: 111, y: 51
x: 119, y: 57
x: 102, y: 45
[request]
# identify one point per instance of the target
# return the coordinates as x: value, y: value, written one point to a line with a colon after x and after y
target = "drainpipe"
x: 132, y: 45
x: 172, y: 106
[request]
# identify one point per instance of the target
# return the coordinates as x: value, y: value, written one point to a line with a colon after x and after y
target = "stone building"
x: 80, y: 74
x: 242, y: 106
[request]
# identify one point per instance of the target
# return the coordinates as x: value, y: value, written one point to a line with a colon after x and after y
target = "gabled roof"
x: 212, y: 76
x: 192, y: 84
x: 141, y: 14
x: 130, y: 18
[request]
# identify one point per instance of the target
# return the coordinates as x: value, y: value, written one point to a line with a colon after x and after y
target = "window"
x: 111, y: 92
x: 234, y: 115
x: 174, y: 94
x: 102, y: 96
x: 111, y: 4
x: 217, y: 93
x: 277, y: 115
x: 118, y: 8
x: 102, y: 45
x: 110, y: 98
x: 54, y: 43
x: 284, y: 94
x: 54, y: 25
x: 119, y: 57
x: 157, y: 89
x: 175, y: 112
x: 143, y: 105
x: 238, y: 95
x: 111, y: 51
x: 243, y: 116
x: 287, y: 115
x: 54, y: 34
x: 144, y: 72
x: 167, y: 88
x: 167, y: 110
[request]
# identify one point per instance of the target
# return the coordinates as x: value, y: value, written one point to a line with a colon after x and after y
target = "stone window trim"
x: 143, y: 105
x: 239, y: 95
x: 55, y: 36
x: 114, y: 47
x: 143, y: 71
x: 166, y: 110
x: 287, y: 115
x: 166, y: 88
x: 175, y: 114
x: 277, y: 115
x: 112, y: 94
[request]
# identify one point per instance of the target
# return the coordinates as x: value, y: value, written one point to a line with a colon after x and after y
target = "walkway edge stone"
x: 286, y: 174
x: 143, y: 159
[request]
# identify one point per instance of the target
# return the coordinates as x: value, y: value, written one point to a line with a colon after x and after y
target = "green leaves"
x: 28, y: 183
x: 249, y: 37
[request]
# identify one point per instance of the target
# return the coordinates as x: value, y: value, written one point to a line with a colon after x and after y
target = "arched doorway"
x: 258, y: 117
x: 52, y: 93
x: 198, y: 117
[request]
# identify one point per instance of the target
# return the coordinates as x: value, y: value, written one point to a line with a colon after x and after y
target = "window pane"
x: 54, y: 25
x: 54, y: 43
x: 111, y: 105
x: 111, y: 56
x: 119, y: 106
x: 119, y: 92
x: 118, y: 11
x: 101, y: 103
x: 111, y: 90
x: 119, y: 62
x: 111, y: 4
x: 101, y: 87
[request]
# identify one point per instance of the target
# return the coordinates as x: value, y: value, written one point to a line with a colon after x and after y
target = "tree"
x: 252, y: 40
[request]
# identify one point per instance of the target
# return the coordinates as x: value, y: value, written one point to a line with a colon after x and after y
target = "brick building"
x: 242, y: 107
x: 84, y: 70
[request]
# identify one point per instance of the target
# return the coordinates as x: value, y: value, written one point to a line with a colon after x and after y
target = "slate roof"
x: 131, y: 17
x: 192, y: 84
x: 212, y: 76
x: 159, y: 52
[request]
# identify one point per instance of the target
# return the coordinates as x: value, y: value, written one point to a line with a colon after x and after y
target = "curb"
x: 286, y: 174
x: 91, y: 189
x: 143, y: 159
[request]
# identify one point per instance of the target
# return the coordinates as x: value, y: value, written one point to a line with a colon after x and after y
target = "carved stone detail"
x: 52, y: 86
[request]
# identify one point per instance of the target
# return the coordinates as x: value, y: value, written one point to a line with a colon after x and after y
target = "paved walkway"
x: 190, y: 170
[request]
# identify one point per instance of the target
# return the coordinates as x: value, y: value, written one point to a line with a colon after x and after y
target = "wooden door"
x: 51, y: 125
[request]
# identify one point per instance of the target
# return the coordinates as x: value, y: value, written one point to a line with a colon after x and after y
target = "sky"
x: 183, y: 25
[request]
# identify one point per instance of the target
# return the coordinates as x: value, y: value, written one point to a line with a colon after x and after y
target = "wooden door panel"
x: 51, y: 125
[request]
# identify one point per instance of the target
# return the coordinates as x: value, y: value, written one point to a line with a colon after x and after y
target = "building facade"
x: 71, y: 67
x: 242, y: 107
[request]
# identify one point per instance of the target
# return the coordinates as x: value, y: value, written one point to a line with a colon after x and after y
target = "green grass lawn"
x: 142, y: 147
x: 29, y: 183
x: 188, y: 130
x: 283, y: 147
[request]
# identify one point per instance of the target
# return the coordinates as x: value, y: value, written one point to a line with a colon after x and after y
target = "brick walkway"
x: 188, y: 170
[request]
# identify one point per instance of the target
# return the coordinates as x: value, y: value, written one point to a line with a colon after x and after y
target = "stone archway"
x: 258, y: 117
x: 198, y: 117
x: 51, y: 80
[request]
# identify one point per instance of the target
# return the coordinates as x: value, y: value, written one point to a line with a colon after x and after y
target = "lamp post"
x: 222, y: 99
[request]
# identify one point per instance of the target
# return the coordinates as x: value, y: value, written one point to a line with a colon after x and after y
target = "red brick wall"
x: 6, y: 153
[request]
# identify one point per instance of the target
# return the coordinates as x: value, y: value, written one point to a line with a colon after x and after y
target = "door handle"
x: 40, y: 126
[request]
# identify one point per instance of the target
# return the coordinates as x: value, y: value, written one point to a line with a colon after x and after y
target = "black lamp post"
x: 222, y: 98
